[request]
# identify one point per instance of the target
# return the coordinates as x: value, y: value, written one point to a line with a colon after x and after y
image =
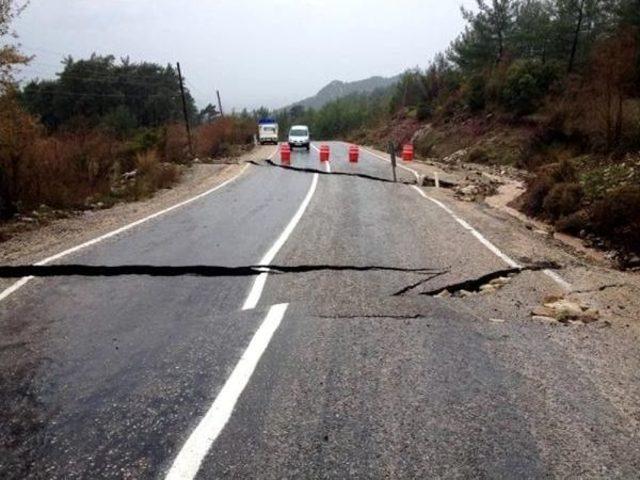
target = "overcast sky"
x: 257, y: 52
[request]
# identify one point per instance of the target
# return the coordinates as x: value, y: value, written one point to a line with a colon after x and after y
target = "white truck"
x: 267, y: 131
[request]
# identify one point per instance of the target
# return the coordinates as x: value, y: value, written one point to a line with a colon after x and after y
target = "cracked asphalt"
x: 111, y: 357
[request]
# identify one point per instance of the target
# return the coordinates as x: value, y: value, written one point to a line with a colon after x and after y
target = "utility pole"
x: 219, y: 103
x: 186, y: 114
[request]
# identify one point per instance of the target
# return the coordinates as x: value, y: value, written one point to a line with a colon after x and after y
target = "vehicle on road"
x: 268, y: 131
x: 299, y: 137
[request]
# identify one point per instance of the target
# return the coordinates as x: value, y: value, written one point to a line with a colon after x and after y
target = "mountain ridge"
x: 337, y: 89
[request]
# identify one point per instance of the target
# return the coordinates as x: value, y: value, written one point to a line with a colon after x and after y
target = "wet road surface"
x: 113, y: 375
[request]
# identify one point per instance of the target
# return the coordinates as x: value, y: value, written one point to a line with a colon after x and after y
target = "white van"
x: 299, y: 137
x: 268, y: 131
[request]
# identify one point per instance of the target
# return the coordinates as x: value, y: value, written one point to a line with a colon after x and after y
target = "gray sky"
x: 257, y: 52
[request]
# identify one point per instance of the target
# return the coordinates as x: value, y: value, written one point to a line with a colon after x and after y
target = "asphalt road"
x: 169, y: 372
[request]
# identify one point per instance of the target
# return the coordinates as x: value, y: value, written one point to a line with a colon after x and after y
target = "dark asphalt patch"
x: 194, y: 270
x: 271, y: 163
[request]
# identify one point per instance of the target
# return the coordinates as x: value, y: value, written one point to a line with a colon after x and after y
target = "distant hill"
x: 338, y: 89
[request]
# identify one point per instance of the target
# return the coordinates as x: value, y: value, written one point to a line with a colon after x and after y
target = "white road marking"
x: 258, y: 285
x: 495, y: 250
x: 23, y: 281
x: 505, y: 258
x: 195, y: 449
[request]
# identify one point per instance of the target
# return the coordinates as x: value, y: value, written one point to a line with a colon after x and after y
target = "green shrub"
x: 526, y: 85
x: 120, y: 121
x: 424, y: 111
x: 475, y: 93
x: 146, y: 139
x: 478, y: 155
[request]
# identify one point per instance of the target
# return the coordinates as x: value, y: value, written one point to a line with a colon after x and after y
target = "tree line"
x: 120, y: 95
x: 512, y: 56
x: 67, y: 142
x: 515, y: 54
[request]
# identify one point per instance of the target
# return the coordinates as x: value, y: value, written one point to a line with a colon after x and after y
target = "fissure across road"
x: 193, y: 270
x: 271, y: 163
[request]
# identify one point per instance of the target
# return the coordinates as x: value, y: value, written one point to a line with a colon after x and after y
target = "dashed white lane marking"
x: 258, y: 285
x: 495, y: 250
x: 23, y: 281
x: 193, y: 452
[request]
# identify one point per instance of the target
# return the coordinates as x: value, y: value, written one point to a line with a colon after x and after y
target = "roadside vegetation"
x: 102, y: 132
x: 549, y: 86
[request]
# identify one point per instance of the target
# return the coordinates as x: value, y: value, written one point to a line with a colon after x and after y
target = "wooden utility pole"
x: 186, y: 113
x: 219, y: 103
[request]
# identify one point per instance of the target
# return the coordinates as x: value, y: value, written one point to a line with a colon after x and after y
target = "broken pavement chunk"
x: 566, y: 307
x: 566, y: 311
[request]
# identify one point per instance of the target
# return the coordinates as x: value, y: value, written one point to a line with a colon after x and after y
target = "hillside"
x: 338, y: 89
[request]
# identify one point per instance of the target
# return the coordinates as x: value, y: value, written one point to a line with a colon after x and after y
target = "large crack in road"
x: 20, y: 271
x: 475, y: 284
x: 423, y: 179
x: 210, y: 271
x: 271, y: 163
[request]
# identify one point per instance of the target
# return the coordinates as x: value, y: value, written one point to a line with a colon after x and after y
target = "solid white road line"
x: 495, y: 250
x: 193, y: 452
x: 23, y: 281
x: 258, y: 285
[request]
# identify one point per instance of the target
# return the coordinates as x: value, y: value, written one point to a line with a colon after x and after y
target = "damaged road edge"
x: 476, y: 284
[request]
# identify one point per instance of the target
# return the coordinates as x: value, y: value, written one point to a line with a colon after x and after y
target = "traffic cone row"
x: 354, y: 153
